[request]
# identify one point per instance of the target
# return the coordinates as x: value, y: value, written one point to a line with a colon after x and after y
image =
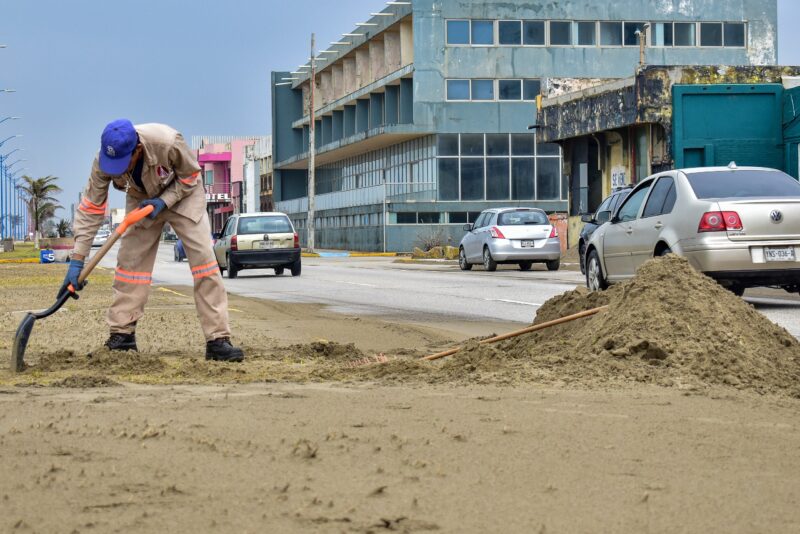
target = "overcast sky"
x: 201, y: 66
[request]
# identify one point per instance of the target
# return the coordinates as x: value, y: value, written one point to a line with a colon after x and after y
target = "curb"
x: 346, y: 254
x: 21, y: 260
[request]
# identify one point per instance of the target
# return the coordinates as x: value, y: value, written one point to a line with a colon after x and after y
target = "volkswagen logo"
x: 776, y: 216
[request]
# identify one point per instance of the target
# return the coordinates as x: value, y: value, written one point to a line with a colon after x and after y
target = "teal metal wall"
x: 717, y: 124
x: 791, y: 130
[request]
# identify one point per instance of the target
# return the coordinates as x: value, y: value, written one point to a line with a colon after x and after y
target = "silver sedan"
x: 510, y: 235
x: 738, y: 225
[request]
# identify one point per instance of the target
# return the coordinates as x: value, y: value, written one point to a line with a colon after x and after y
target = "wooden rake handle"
x: 516, y: 333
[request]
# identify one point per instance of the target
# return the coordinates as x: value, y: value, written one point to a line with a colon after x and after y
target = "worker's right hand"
x: 74, y: 271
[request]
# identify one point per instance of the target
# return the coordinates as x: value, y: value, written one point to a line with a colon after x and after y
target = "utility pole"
x: 312, y: 138
x: 642, y: 34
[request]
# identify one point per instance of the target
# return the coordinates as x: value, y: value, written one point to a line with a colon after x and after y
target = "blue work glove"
x: 158, y: 206
x: 74, y: 271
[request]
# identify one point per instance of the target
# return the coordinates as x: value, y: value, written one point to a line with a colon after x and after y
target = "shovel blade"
x: 21, y: 342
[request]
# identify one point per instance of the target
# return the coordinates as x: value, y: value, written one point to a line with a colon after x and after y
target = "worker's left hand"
x: 158, y: 206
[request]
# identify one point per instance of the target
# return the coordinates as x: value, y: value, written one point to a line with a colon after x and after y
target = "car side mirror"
x: 603, y: 217
x: 468, y: 227
x: 217, y: 235
x: 587, y: 218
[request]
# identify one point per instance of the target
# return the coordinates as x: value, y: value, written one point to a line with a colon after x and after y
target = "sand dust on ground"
x: 672, y: 410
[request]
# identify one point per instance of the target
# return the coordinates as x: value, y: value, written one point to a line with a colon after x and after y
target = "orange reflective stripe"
x: 131, y: 273
x: 90, y: 204
x: 130, y: 281
x: 203, y: 267
x: 190, y: 180
x: 88, y: 209
x: 205, y: 270
x: 210, y: 272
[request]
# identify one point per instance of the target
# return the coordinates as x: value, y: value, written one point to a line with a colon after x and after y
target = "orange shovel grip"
x: 133, y: 217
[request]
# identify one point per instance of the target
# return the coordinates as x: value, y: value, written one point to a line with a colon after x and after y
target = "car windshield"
x: 743, y: 184
x: 519, y: 218
x: 268, y: 224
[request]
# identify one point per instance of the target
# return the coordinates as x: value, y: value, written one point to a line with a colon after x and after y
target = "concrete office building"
x: 423, y: 111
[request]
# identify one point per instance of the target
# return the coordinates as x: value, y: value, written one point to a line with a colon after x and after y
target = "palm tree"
x: 38, y: 194
x: 62, y: 228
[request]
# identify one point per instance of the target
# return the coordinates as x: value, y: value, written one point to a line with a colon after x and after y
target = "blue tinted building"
x: 423, y: 112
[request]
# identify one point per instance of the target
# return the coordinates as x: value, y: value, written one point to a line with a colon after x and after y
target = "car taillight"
x: 719, y: 221
x: 234, y: 243
x: 496, y: 233
x: 296, y: 240
x: 553, y: 233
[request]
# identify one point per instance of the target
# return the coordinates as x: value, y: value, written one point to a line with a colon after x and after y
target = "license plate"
x: 527, y: 243
x: 779, y: 254
x: 265, y: 244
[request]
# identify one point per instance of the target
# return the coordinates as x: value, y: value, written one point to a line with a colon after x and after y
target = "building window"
x: 499, y: 167
x: 457, y: 89
x: 510, y: 32
x: 711, y: 34
x: 610, y: 34
x: 482, y: 32
x: 448, y: 145
x: 407, y: 218
x: 458, y: 32
x: 509, y: 89
x: 560, y: 33
x: 429, y: 217
x: 457, y: 217
x: 685, y: 34
x: 587, y: 33
x: 734, y: 34
x: 661, y: 34
x: 531, y: 89
x: 533, y: 32
x: 630, y: 36
x: 448, y: 179
x: 209, y: 177
x: 482, y: 89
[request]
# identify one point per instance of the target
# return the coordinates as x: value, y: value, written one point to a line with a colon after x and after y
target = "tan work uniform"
x: 170, y: 172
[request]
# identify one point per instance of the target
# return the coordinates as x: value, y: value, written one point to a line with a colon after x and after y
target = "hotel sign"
x: 218, y: 197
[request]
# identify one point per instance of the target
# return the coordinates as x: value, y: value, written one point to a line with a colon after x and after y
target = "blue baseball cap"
x: 117, y: 144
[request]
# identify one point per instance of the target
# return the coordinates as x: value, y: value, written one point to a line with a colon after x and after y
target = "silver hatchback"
x: 510, y: 235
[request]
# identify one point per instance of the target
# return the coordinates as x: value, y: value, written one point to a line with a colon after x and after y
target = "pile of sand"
x: 670, y: 325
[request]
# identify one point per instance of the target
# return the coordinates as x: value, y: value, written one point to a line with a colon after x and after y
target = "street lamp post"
x: 8, y: 119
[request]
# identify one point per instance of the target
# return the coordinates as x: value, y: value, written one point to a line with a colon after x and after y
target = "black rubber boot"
x: 122, y: 342
x: 221, y: 350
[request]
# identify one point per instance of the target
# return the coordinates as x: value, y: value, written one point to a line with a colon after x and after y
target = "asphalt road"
x: 424, y: 292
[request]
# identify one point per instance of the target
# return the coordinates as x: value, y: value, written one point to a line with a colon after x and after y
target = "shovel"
x: 26, y: 326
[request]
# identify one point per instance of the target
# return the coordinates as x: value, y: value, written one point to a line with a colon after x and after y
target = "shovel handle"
x: 130, y: 219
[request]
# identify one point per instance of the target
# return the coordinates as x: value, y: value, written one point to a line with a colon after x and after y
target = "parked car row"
x: 740, y: 226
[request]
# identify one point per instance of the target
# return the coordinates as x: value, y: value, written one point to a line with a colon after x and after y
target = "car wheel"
x: 488, y: 262
x: 595, y: 280
x: 582, y: 256
x: 233, y: 269
x: 525, y: 265
x: 665, y: 252
x: 278, y: 271
x: 553, y: 265
x: 463, y: 264
x: 295, y: 268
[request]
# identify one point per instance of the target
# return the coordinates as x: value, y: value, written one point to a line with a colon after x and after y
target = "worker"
x: 155, y: 167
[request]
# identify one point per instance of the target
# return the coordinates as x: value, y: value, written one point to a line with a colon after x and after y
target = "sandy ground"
x: 298, y: 441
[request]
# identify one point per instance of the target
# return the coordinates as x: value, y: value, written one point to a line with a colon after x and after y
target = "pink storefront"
x: 222, y: 168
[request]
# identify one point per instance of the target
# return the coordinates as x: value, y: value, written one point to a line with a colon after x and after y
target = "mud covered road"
x: 325, y: 458
x: 299, y: 440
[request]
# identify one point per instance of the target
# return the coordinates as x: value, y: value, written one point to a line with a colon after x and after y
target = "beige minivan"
x: 258, y: 241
